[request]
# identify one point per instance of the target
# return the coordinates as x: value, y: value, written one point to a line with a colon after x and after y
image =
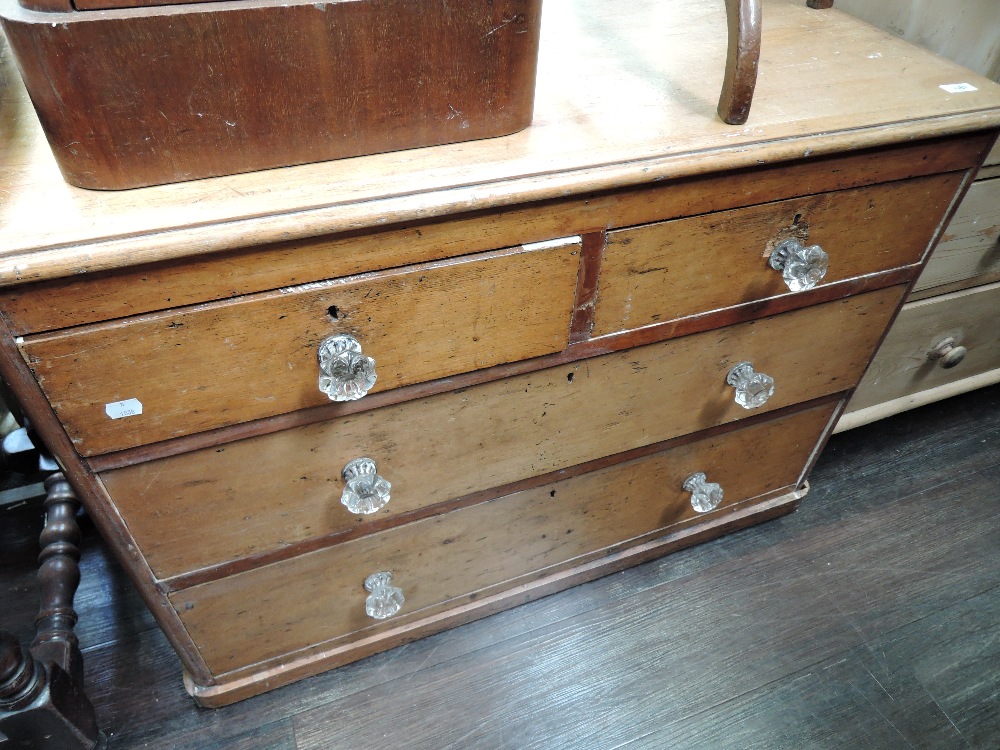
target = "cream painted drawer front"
x: 970, y: 247
x: 445, y: 560
x: 212, y: 365
x: 660, y: 272
x: 274, y: 490
x: 902, y: 366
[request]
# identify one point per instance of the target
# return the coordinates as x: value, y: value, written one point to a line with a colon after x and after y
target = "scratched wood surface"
x: 869, y: 618
x: 516, y: 428
x: 210, y: 365
x: 622, y: 98
x: 902, y: 368
x: 469, y: 554
x: 94, y: 297
x: 969, y: 251
x: 267, y: 84
x: 659, y: 272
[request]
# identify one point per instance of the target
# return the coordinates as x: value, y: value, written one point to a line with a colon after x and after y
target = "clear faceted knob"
x: 947, y: 352
x: 705, y: 495
x: 802, y: 267
x: 364, y: 490
x: 753, y: 389
x: 384, y: 600
x: 345, y: 373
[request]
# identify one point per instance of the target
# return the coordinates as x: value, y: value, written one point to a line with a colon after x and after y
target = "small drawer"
x: 661, y: 272
x: 969, y: 251
x: 271, y: 491
x: 449, y: 560
x: 207, y: 366
x: 907, y: 364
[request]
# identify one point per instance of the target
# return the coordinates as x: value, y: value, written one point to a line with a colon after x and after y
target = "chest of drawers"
x: 324, y: 410
x: 945, y: 340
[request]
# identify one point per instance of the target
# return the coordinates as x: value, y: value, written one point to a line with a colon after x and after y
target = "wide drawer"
x: 660, y: 272
x: 902, y: 366
x: 212, y: 365
x: 274, y: 490
x: 448, y: 560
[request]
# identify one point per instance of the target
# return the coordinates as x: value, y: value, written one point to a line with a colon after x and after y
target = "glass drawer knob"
x: 753, y: 389
x: 365, y: 491
x: 947, y: 352
x: 705, y: 495
x: 384, y: 600
x: 802, y: 267
x: 345, y: 373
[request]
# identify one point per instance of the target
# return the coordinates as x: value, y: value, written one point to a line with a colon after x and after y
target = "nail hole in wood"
x: 333, y: 311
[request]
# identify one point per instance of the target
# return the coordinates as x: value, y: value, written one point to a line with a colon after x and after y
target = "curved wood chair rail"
x: 744, y: 18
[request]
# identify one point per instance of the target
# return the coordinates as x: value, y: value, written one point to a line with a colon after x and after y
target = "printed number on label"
x: 119, y: 409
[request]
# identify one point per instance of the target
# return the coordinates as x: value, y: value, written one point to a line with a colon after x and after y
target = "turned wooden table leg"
x: 42, y: 702
x: 58, y: 579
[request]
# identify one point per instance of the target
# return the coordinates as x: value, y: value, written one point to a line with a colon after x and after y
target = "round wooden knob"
x: 947, y: 352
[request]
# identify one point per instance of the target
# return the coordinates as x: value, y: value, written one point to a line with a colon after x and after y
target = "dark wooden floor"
x: 868, y: 619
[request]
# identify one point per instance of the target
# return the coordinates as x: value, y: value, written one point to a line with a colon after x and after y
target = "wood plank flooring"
x: 868, y: 619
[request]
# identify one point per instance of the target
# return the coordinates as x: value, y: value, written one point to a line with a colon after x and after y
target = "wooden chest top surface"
x: 626, y: 94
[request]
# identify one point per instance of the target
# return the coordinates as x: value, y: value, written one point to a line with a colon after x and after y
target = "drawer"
x: 212, y: 365
x: 660, y: 272
x: 274, y: 490
x: 902, y: 366
x: 969, y: 251
x: 993, y: 158
x: 451, y: 559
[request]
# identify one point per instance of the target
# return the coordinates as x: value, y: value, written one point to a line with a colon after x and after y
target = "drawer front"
x: 267, y: 492
x: 661, y: 272
x: 902, y: 366
x: 90, y: 298
x: 441, y: 561
x: 213, y: 365
x: 969, y: 251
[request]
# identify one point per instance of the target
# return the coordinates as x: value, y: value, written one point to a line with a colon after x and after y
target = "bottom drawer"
x: 902, y: 367
x: 449, y: 560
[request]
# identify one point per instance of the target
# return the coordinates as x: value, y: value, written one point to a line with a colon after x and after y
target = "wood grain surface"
x: 267, y: 83
x: 272, y: 491
x: 625, y: 96
x: 660, y: 272
x: 969, y: 251
x: 19, y: 383
x: 902, y: 368
x: 890, y: 578
x: 211, y: 365
x: 311, y: 599
x: 572, y: 353
x: 934, y: 25
x: 94, y: 297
